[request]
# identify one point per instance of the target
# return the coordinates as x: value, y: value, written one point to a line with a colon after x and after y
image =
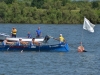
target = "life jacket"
x: 14, y: 31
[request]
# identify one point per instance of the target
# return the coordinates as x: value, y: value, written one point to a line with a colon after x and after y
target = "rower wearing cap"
x: 61, y: 39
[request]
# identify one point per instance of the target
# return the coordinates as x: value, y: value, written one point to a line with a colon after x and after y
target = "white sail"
x: 88, y: 25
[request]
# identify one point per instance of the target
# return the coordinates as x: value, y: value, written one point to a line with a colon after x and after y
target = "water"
x: 53, y: 63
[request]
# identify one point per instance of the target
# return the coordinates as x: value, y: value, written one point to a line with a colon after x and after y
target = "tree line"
x: 49, y: 11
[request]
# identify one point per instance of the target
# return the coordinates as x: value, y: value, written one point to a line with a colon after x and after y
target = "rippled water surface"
x: 54, y: 63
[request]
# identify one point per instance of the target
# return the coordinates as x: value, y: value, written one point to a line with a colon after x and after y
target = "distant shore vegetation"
x: 49, y: 11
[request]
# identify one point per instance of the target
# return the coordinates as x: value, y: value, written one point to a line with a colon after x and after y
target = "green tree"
x: 49, y: 11
x: 65, y: 1
x: 3, y: 11
x: 89, y: 13
x: 37, y: 3
x: 95, y: 4
x: 9, y: 1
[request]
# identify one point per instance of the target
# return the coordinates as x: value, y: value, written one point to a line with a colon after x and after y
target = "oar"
x: 8, y: 48
x: 23, y: 49
x: 51, y: 37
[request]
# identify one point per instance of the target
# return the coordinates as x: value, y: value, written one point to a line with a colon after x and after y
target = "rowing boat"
x: 44, y: 47
x: 54, y: 48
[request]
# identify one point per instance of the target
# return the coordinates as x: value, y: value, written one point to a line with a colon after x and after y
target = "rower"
x: 35, y: 42
x: 22, y: 42
x: 60, y: 39
x: 5, y: 42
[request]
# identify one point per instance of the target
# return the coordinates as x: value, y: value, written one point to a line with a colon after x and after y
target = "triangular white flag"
x: 88, y: 25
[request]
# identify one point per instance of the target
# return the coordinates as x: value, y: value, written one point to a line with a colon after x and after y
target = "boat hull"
x: 55, y: 48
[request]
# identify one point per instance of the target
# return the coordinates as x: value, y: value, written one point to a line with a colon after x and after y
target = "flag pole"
x: 82, y: 34
x: 82, y: 37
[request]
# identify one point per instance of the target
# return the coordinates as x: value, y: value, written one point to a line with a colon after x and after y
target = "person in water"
x: 38, y: 32
x: 14, y: 32
x: 81, y: 48
x: 35, y: 42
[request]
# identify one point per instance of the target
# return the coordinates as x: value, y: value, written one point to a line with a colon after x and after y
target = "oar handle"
x: 50, y: 36
x: 53, y: 37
